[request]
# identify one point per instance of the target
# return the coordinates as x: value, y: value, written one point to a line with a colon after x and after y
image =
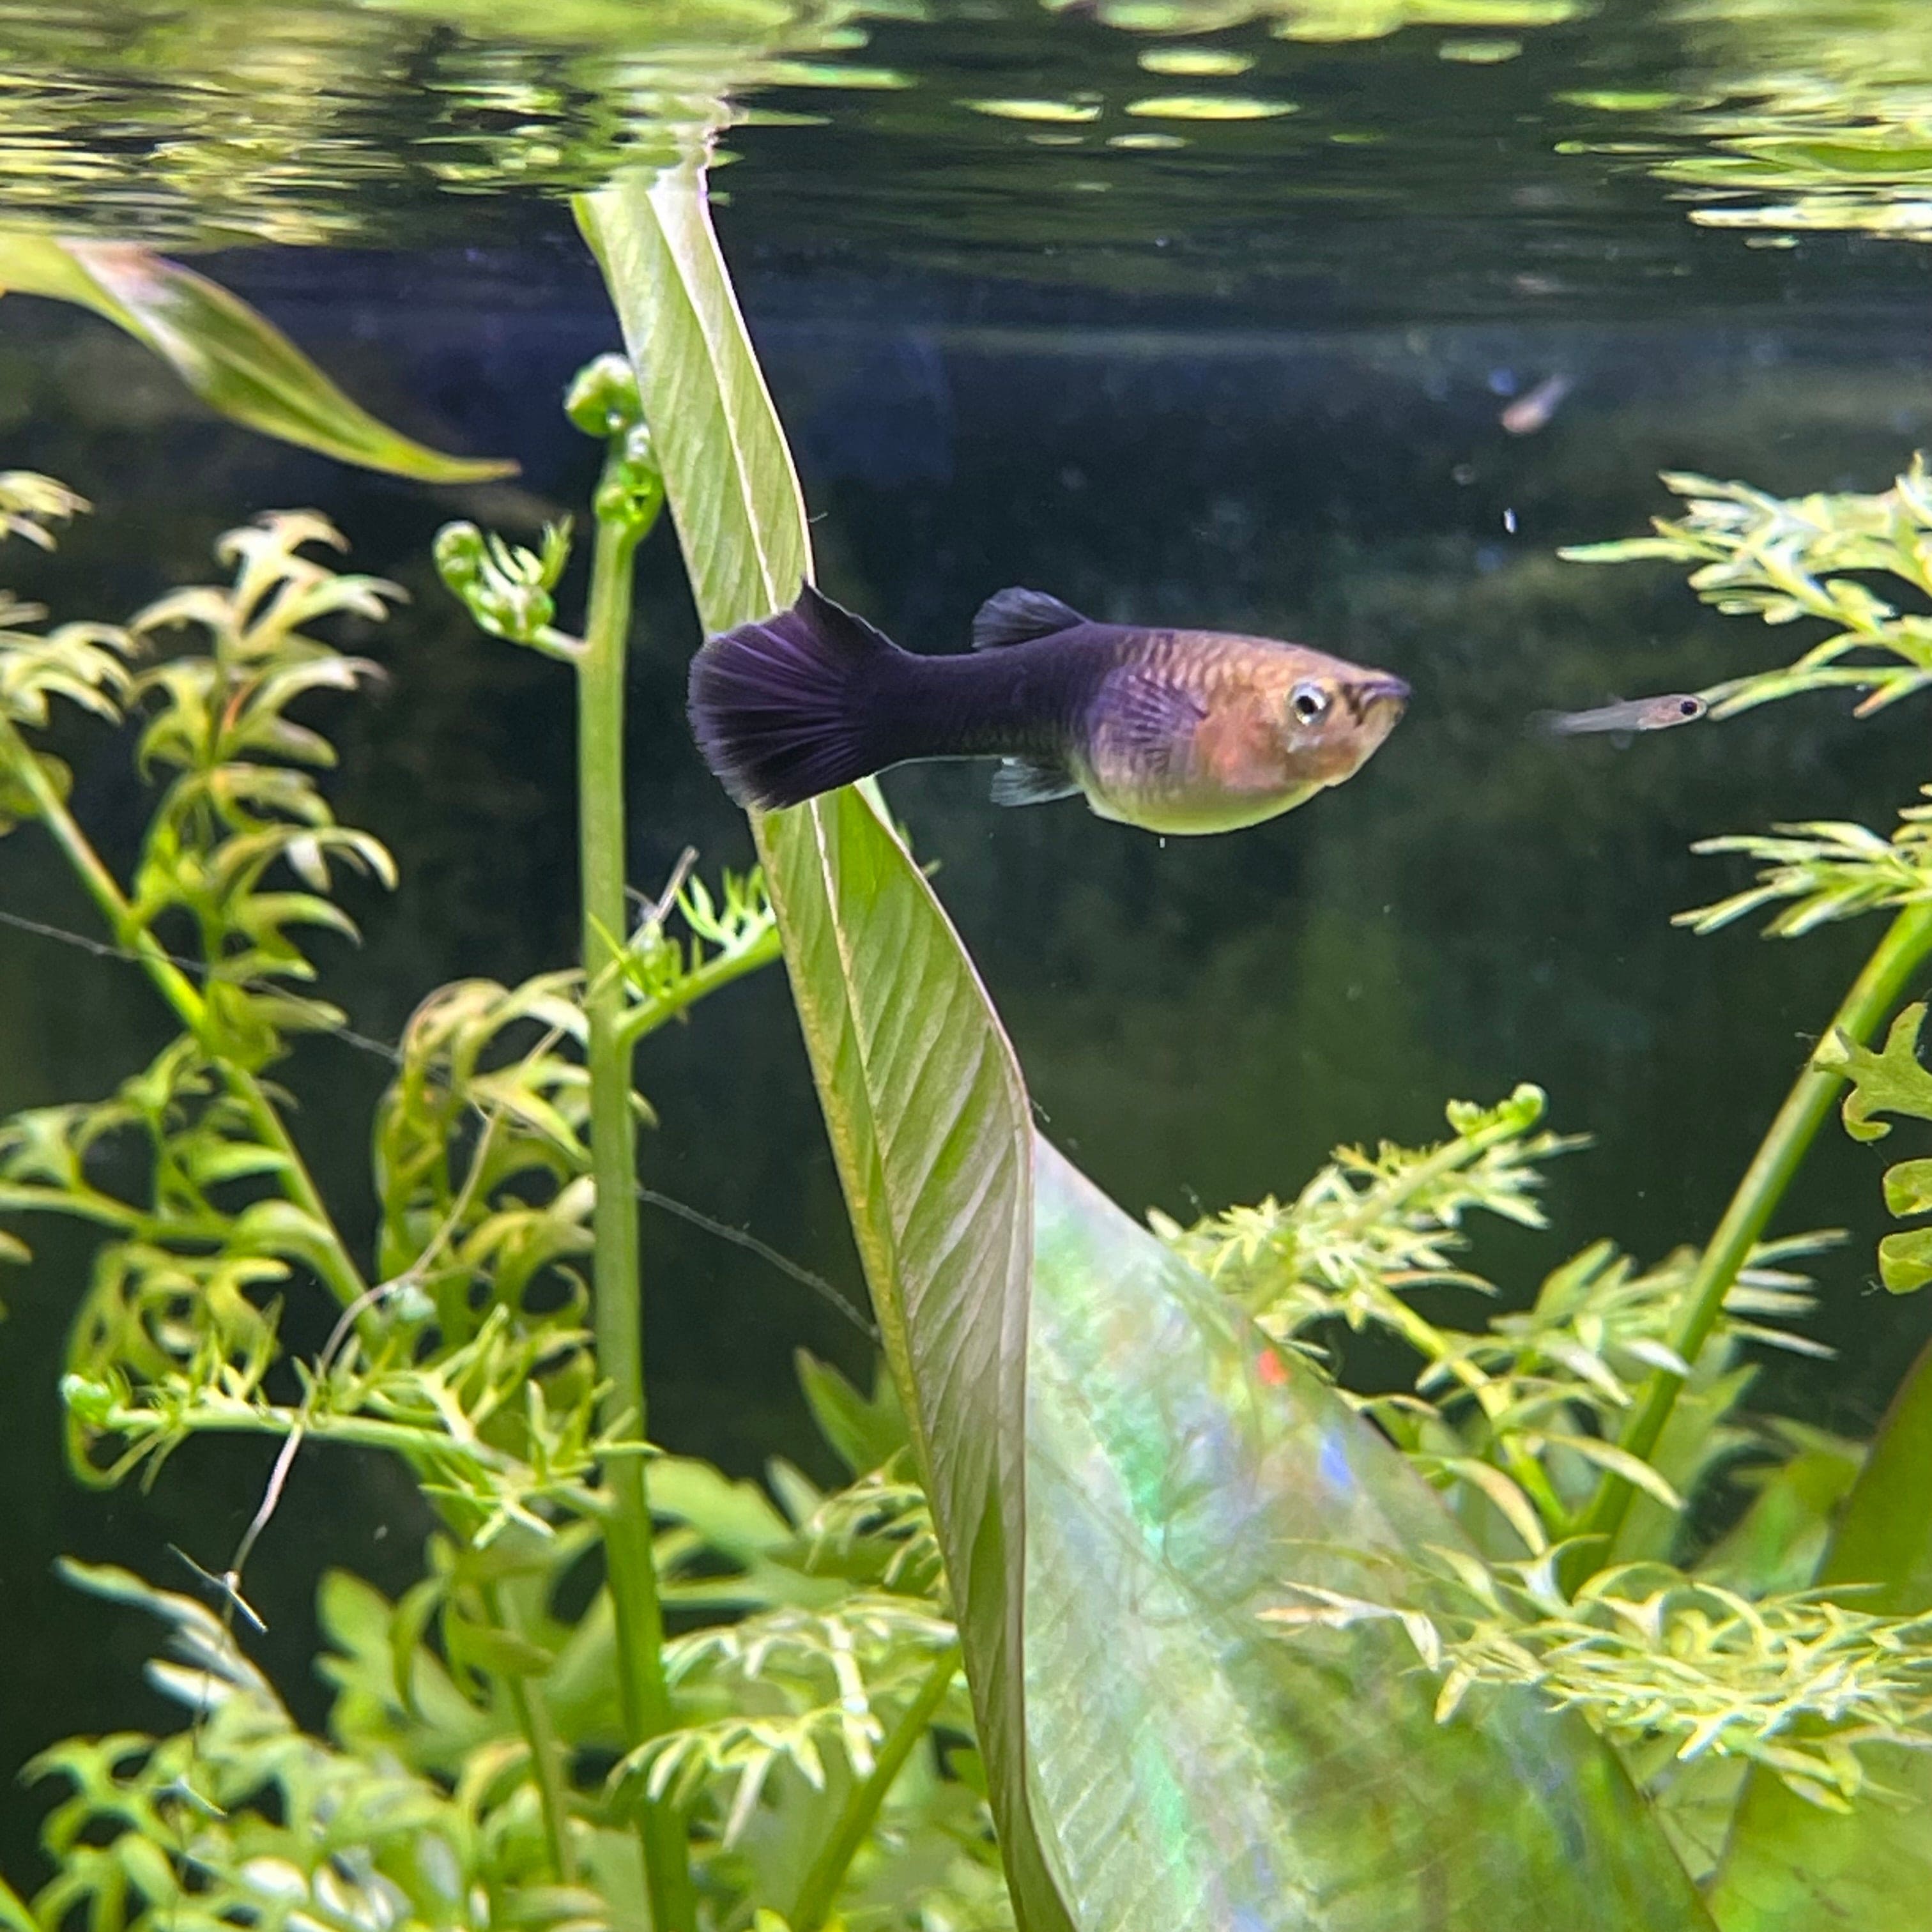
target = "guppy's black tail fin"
x: 783, y: 709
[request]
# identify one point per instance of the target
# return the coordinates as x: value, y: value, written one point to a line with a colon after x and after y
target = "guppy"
x: 1174, y: 731
x: 1635, y: 714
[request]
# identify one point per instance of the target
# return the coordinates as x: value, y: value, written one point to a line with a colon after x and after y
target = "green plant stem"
x: 533, y: 1720
x: 334, y: 1263
x: 1874, y: 993
x: 719, y: 970
x: 821, y: 1885
x: 643, y: 1696
x: 409, y: 1440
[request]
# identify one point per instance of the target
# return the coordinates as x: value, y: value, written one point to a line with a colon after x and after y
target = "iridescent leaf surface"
x: 1792, y: 1866
x: 234, y: 359
x: 922, y: 1095
x: 1198, y: 1767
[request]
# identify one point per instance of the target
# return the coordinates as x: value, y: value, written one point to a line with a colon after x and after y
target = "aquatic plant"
x: 1324, y: 20
x: 484, y: 1746
x: 1109, y: 1516
x: 234, y: 101
x: 1798, y: 117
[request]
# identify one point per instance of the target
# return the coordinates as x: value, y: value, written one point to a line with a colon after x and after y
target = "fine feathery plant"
x: 487, y: 1754
x: 1584, y: 1439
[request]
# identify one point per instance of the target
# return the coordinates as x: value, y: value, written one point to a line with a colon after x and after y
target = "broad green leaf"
x: 1199, y: 1767
x: 234, y: 359
x: 1794, y: 1867
x: 922, y: 1095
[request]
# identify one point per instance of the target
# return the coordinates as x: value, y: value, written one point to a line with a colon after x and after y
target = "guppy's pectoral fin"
x: 1032, y: 781
x: 1149, y: 723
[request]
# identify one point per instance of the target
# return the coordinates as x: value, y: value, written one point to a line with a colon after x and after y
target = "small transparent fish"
x: 1174, y: 731
x: 1531, y: 412
x: 1636, y: 714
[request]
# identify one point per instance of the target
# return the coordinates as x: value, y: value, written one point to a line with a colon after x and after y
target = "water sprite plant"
x: 484, y: 1750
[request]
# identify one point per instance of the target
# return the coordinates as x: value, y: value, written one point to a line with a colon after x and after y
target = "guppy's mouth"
x: 1372, y: 693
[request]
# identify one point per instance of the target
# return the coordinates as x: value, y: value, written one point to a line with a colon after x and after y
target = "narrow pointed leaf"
x: 233, y: 359
x: 922, y: 1095
x: 1189, y: 1767
x: 1198, y: 1767
x: 1791, y: 1866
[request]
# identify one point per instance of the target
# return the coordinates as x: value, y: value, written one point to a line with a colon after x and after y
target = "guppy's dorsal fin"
x: 1014, y: 616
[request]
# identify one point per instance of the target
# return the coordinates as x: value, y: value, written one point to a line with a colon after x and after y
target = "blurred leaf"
x: 864, y: 1432
x: 1777, y: 1543
x: 734, y: 1518
x: 1792, y: 1867
x: 234, y: 359
x: 1182, y: 1473
x: 922, y: 1098
x: 14, y: 1916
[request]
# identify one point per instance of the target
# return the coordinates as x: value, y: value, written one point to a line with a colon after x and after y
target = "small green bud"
x: 459, y: 554
x: 640, y: 452
x: 631, y: 491
x: 91, y: 1403
x: 504, y: 588
x: 602, y: 398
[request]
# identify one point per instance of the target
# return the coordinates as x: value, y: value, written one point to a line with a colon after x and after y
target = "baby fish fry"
x: 1637, y: 714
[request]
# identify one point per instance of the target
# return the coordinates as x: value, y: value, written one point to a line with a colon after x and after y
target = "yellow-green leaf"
x: 1795, y: 1866
x: 233, y: 359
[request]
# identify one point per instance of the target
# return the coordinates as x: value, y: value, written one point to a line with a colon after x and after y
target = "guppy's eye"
x: 1309, y: 702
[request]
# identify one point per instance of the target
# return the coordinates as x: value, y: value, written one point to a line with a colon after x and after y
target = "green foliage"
x: 1367, y: 1220
x: 922, y: 1095
x: 1518, y: 1417
x: 466, y: 1776
x: 241, y: 1819
x: 1789, y: 1864
x: 1674, y: 1668
x: 1183, y: 1474
x: 234, y: 360
x: 29, y: 502
x: 1783, y: 559
x: 1726, y: 1656
x: 1824, y: 870
x: 1891, y: 1081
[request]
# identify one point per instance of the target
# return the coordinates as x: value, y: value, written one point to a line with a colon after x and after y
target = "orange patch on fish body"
x: 1210, y: 733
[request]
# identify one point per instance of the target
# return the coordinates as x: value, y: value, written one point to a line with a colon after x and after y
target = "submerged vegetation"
x: 627, y: 1691
x: 1123, y: 1537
